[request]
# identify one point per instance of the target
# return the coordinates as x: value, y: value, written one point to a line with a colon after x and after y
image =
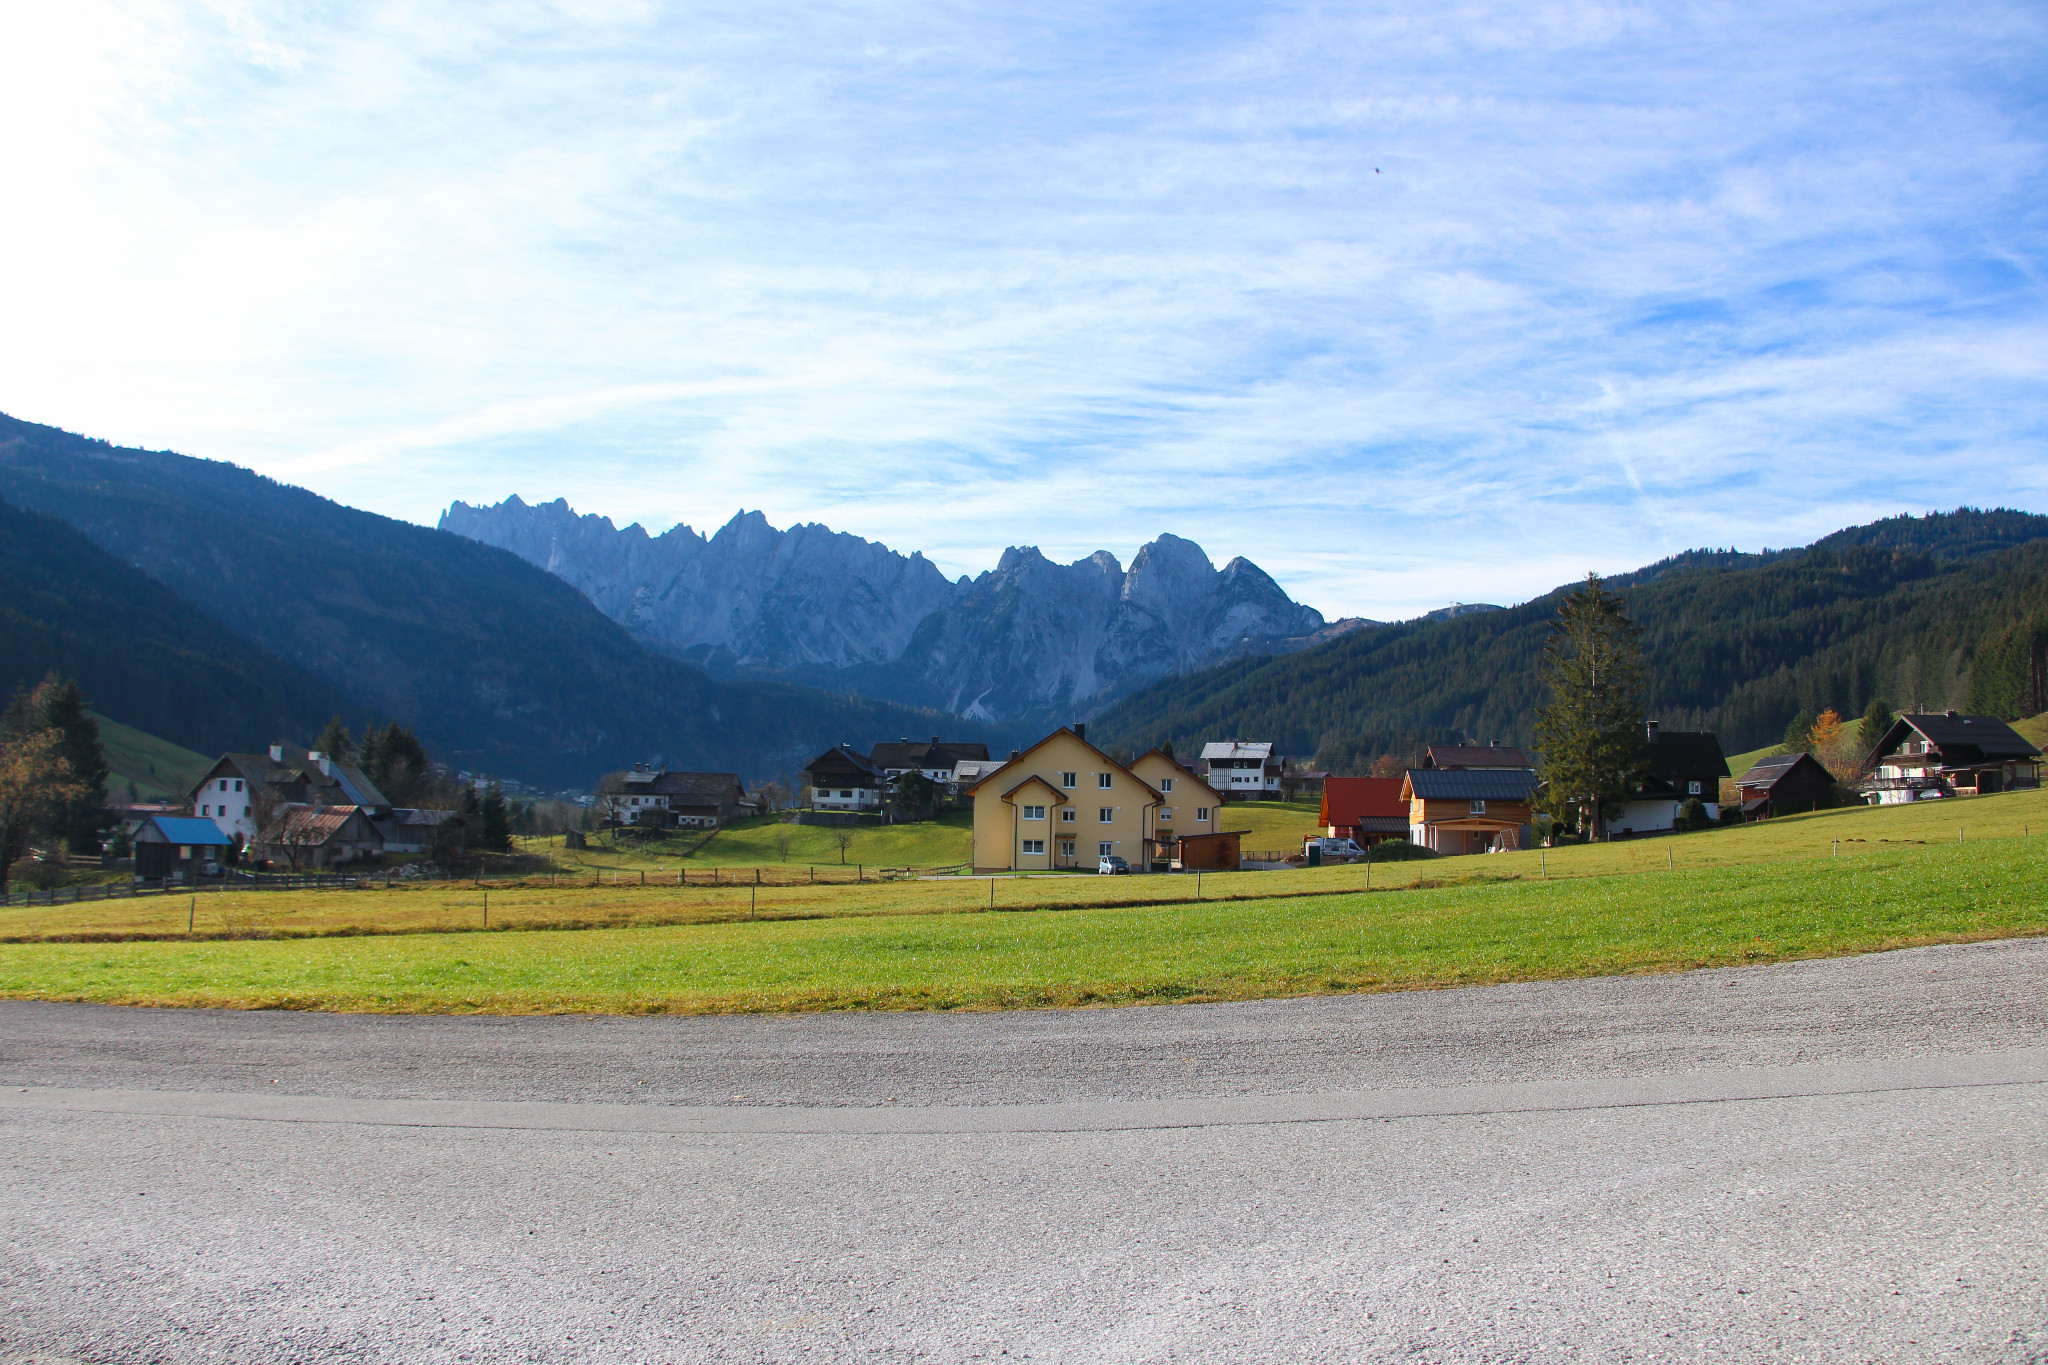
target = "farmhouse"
x: 1245, y: 770
x: 239, y: 789
x: 1785, y: 783
x: 1924, y: 756
x: 844, y: 779
x: 1469, y: 810
x: 175, y: 849
x: 659, y: 798
x: 1679, y: 766
x: 1062, y: 803
x: 1367, y: 810
x: 937, y: 760
x: 313, y: 837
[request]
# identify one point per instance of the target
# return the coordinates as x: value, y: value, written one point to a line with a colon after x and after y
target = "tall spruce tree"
x: 497, y: 820
x: 336, y: 742
x: 1877, y: 718
x: 1591, y: 729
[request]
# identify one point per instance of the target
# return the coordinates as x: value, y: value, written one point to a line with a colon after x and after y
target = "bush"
x: 1399, y: 851
x: 1692, y: 814
x: 42, y: 870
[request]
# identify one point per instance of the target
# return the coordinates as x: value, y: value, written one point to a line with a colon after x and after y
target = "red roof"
x: 1348, y: 800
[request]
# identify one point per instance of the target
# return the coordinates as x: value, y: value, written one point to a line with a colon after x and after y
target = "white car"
x: 1113, y: 866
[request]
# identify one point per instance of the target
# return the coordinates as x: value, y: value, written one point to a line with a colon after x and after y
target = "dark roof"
x: 1465, y: 784
x: 1476, y: 756
x: 1773, y: 770
x: 933, y: 753
x: 1977, y: 737
x: 712, y: 786
x: 344, y: 783
x: 1677, y: 757
x: 841, y: 759
x: 1377, y: 824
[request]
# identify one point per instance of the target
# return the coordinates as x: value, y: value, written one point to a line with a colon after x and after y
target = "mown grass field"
x: 1273, y: 826
x: 766, y: 841
x: 1759, y: 893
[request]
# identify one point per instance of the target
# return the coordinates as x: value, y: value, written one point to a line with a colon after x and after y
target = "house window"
x: 1104, y: 849
x: 1068, y: 780
x: 1034, y: 845
x: 1106, y: 814
x: 1034, y: 812
x: 223, y: 784
x: 202, y: 810
x: 1066, y: 848
x: 1165, y: 784
x: 1166, y: 812
x: 1478, y: 807
x: 1692, y: 789
x: 1201, y: 814
x: 846, y: 796
x: 1066, y: 815
x: 238, y: 784
x: 1102, y: 780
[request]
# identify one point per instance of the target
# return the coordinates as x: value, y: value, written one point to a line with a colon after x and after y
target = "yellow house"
x: 1187, y: 804
x: 1063, y: 803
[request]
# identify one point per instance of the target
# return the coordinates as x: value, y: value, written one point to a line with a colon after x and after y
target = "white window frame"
x: 1166, y: 812
x: 1034, y: 812
x: 1105, y: 780
x: 1692, y: 789
x: 1105, y: 815
x: 1067, y: 816
x: 1105, y: 848
x: 1034, y: 848
x: 1165, y: 784
x: 1475, y: 807
x: 1201, y: 814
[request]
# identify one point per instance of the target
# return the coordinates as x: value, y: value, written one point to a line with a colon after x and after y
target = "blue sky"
x: 1406, y: 303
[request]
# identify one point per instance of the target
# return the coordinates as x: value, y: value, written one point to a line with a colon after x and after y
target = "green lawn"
x: 1761, y: 893
x: 158, y: 768
x: 768, y: 841
x: 1273, y: 826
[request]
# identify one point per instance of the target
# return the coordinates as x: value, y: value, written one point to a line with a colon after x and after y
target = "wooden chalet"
x: 1366, y: 810
x: 1926, y: 756
x: 1470, y: 810
x: 1785, y: 784
x: 312, y: 837
x: 844, y: 779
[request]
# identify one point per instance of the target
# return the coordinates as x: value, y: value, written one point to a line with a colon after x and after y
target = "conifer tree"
x: 58, y: 705
x: 1877, y: 718
x: 1591, y: 729
x: 497, y: 821
x: 336, y: 742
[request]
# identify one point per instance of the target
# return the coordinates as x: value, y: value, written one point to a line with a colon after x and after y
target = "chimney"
x: 903, y: 740
x: 1016, y: 754
x: 1080, y: 732
x: 1651, y: 728
x: 277, y: 753
x: 1950, y: 714
x: 935, y: 739
x: 326, y: 764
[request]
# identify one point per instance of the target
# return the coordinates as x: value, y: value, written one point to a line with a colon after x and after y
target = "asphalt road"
x: 1831, y: 1161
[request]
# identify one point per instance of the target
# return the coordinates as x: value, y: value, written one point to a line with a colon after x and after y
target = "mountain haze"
x: 500, y: 666
x: 1030, y: 641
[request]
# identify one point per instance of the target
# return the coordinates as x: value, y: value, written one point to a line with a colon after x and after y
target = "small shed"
x: 1784, y: 784
x: 177, y: 849
x: 1211, y: 852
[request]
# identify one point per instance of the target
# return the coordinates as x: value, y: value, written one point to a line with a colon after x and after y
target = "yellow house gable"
x: 1058, y: 804
x: 1187, y: 804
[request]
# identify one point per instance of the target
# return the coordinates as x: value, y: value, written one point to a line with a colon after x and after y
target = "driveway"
x: 1827, y: 1161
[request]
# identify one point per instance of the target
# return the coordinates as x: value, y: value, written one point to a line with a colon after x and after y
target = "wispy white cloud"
x: 1406, y: 304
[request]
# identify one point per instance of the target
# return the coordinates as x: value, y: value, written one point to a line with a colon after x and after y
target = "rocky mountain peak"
x: 1028, y: 639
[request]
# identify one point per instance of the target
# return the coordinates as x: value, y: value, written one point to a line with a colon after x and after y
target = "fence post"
x: 487, y: 907
x: 191, y: 913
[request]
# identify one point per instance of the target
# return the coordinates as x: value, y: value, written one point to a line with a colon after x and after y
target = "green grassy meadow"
x: 1833, y: 882
x: 765, y: 841
x: 1273, y: 826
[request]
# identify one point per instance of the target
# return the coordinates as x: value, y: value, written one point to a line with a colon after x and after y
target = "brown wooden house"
x: 1470, y: 810
x: 1783, y: 784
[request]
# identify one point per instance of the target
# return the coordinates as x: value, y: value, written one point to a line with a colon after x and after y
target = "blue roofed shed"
x: 173, y: 848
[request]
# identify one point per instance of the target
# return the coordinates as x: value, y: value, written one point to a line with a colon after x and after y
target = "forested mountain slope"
x: 143, y: 655
x: 498, y: 665
x: 1735, y: 643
